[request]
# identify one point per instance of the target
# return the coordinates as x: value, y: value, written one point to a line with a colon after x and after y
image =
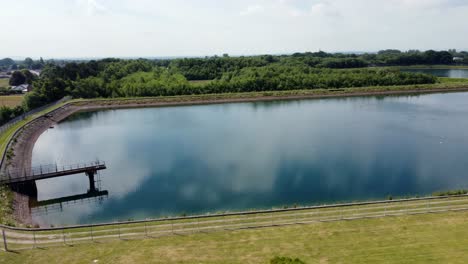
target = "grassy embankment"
x: 429, y: 238
x: 443, y: 84
x: 6, y: 208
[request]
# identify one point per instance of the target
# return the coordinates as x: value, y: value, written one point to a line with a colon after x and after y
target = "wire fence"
x: 14, y: 121
x: 15, y: 239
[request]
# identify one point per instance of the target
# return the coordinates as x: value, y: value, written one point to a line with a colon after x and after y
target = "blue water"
x: 197, y: 159
x: 451, y: 73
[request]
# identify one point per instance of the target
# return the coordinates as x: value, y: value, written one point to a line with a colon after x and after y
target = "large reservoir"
x: 230, y: 157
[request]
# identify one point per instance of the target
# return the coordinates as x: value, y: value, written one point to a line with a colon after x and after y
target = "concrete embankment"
x: 22, y: 146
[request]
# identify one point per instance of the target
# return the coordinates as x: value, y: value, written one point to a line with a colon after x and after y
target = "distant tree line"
x: 8, y: 64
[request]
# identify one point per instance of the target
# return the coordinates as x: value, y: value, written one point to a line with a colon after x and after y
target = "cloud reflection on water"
x: 193, y: 159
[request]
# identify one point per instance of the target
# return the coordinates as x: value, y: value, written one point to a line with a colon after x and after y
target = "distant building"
x: 4, y: 75
x: 35, y: 72
x: 23, y: 88
x: 457, y: 58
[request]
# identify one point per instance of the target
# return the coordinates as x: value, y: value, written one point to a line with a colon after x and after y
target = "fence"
x: 14, y: 121
x: 14, y: 239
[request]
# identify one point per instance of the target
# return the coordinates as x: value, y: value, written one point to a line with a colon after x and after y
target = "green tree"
x: 17, y: 78
x: 28, y: 62
x: 29, y: 77
x: 33, y: 100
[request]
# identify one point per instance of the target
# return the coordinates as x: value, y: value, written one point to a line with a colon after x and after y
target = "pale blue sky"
x: 132, y: 28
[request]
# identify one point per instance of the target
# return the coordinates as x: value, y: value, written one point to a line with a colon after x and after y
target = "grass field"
x: 429, y: 238
x: 4, y: 83
x: 11, y: 100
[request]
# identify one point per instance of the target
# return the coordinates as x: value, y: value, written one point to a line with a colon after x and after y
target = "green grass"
x: 6, y: 210
x: 200, y: 83
x: 430, y: 238
x: 4, y: 83
x: 451, y: 80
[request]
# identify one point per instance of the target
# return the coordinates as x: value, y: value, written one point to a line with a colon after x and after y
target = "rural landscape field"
x: 281, y: 132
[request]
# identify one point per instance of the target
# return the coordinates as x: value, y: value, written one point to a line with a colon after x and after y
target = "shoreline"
x: 23, y: 143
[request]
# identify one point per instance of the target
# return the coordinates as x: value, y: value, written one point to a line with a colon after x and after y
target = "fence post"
x: 146, y: 230
x: 63, y: 235
x: 172, y: 226
x: 92, y: 238
x: 34, y: 239
x: 4, y: 240
x: 118, y: 228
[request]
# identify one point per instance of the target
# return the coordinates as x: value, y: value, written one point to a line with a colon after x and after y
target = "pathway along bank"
x: 22, y: 143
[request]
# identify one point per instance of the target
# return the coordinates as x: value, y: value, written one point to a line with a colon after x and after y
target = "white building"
x: 23, y: 88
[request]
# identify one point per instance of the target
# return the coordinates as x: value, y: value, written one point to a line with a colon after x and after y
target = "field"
x: 4, y: 83
x: 429, y: 238
x: 11, y: 100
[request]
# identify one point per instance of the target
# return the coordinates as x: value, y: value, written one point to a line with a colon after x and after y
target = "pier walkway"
x: 51, y: 171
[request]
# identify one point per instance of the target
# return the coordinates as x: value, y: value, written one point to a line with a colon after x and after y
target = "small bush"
x: 450, y: 193
x: 286, y: 260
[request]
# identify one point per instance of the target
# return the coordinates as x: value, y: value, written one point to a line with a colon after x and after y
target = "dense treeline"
x: 213, y: 67
x: 278, y: 77
x: 128, y: 78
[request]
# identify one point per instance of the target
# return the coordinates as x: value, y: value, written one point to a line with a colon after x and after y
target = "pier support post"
x: 92, y: 181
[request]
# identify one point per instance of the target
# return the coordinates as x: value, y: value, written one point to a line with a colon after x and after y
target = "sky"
x: 157, y: 28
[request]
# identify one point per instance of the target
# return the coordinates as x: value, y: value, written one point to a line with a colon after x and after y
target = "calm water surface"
x: 196, y: 159
x: 451, y: 73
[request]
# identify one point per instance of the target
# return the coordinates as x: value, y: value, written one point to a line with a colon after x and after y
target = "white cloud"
x: 207, y: 27
x: 91, y: 7
x: 251, y: 10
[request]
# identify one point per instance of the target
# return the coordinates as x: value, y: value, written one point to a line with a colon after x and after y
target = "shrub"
x: 286, y: 260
